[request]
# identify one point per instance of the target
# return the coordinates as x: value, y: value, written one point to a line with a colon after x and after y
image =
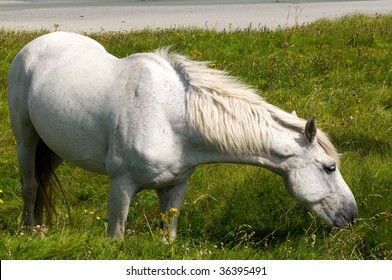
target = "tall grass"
x: 340, y: 71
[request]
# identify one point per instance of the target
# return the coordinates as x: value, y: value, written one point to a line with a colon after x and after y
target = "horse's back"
x: 48, y: 52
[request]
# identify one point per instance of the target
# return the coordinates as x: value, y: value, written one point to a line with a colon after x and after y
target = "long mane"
x: 230, y: 114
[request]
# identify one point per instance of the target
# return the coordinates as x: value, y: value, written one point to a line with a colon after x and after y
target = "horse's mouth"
x: 340, y: 218
x: 346, y: 216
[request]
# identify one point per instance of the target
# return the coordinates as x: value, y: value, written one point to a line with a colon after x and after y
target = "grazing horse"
x: 147, y: 121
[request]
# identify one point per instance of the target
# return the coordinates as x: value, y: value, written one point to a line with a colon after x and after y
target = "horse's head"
x: 312, y: 177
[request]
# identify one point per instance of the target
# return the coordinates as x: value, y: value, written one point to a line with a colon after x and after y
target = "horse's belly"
x: 91, y: 165
x: 82, y: 147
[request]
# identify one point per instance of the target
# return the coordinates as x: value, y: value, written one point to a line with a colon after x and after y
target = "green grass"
x: 340, y: 71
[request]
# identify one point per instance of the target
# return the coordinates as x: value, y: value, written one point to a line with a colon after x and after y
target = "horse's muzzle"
x: 346, y: 217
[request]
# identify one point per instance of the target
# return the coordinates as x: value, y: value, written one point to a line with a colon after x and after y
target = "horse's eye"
x: 330, y: 169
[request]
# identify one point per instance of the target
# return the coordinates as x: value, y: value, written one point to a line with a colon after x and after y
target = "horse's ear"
x: 311, y: 129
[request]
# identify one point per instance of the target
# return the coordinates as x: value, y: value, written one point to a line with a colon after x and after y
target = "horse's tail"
x: 48, y: 183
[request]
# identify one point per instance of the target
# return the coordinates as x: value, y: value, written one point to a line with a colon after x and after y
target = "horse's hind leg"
x: 27, y: 140
x: 37, y: 164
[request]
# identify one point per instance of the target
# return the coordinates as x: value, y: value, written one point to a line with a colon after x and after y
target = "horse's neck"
x: 283, y: 141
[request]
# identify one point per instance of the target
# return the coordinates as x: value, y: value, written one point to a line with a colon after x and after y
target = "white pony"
x: 148, y: 120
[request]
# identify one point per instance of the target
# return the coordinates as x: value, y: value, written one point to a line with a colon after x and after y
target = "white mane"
x: 230, y: 114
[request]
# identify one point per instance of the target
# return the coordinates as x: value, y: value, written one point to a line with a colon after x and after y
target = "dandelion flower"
x: 98, y: 218
x: 1, y: 201
x: 173, y: 210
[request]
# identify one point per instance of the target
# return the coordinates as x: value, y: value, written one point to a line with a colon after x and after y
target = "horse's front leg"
x: 170, y: 200
x: 120, y: 195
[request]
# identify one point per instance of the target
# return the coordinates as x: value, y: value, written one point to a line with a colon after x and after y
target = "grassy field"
x: 340, y: 71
